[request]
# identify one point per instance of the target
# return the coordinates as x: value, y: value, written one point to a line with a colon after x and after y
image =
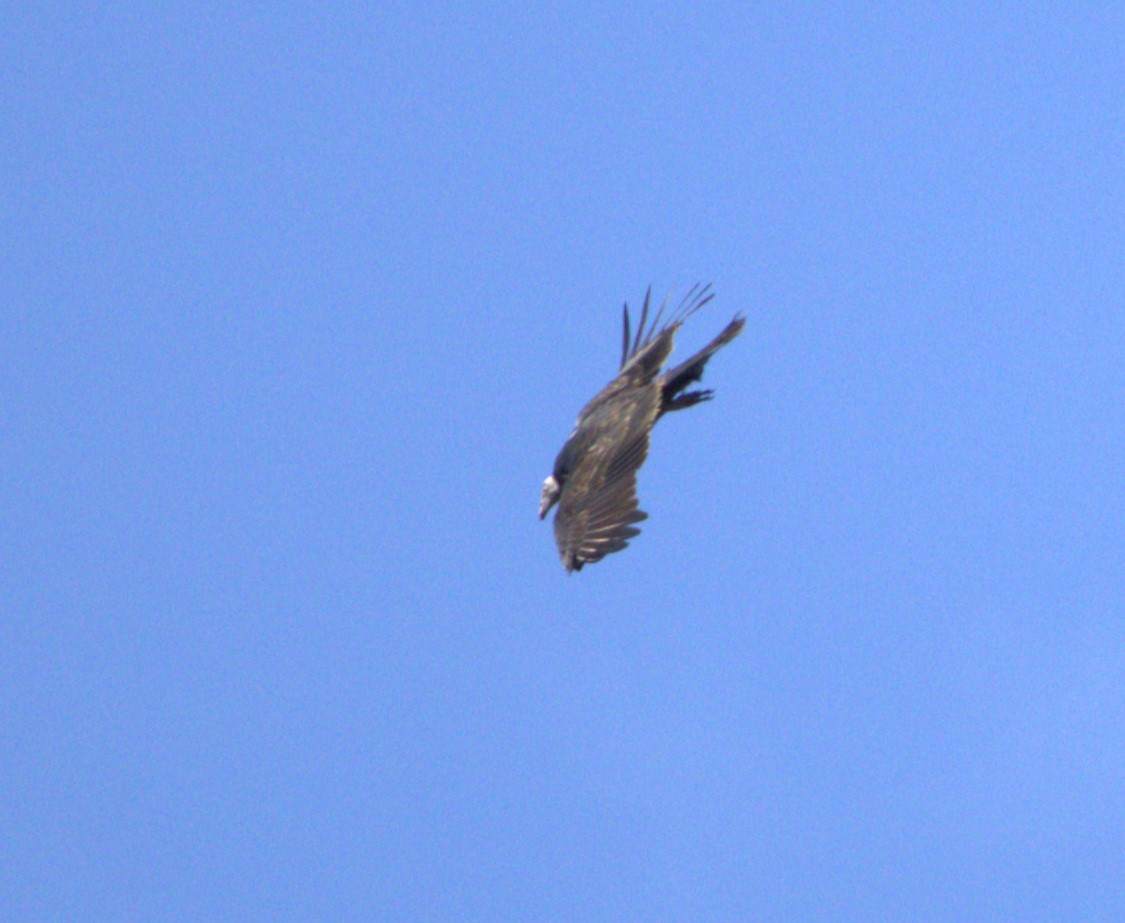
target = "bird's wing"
x: 598, y: 507
x: 643, y: 355
x: 648, y: 350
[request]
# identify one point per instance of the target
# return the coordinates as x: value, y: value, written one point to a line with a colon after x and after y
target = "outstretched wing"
x: 598, y: 508
x: 642, y: 357
x: 650, y: 347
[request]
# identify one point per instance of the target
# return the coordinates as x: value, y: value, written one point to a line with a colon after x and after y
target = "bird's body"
x: 595, y: 475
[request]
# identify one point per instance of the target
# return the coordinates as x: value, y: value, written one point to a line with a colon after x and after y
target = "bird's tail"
x: 691, y: 370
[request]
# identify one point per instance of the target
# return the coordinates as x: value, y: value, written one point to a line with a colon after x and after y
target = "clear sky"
x: 298, y: 303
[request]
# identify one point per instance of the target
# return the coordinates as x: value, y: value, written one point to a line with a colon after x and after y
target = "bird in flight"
x: 594, y: 481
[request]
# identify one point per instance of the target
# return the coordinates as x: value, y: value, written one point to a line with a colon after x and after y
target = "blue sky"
x: 300, y: 302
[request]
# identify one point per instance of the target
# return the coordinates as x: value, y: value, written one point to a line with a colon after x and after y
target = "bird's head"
x: 550, y: 495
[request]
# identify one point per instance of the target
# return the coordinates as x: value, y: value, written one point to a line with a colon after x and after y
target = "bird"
x: 594, y: 480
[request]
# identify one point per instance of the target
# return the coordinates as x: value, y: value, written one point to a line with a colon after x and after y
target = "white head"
x: 550, y: 495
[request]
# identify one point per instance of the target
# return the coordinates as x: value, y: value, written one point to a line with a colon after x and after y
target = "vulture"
x: 594, y: 481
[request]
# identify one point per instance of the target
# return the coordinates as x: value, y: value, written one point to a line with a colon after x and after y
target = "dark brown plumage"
x: 594, y: 480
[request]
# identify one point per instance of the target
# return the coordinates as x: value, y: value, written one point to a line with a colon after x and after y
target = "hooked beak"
x: 549, y: 497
